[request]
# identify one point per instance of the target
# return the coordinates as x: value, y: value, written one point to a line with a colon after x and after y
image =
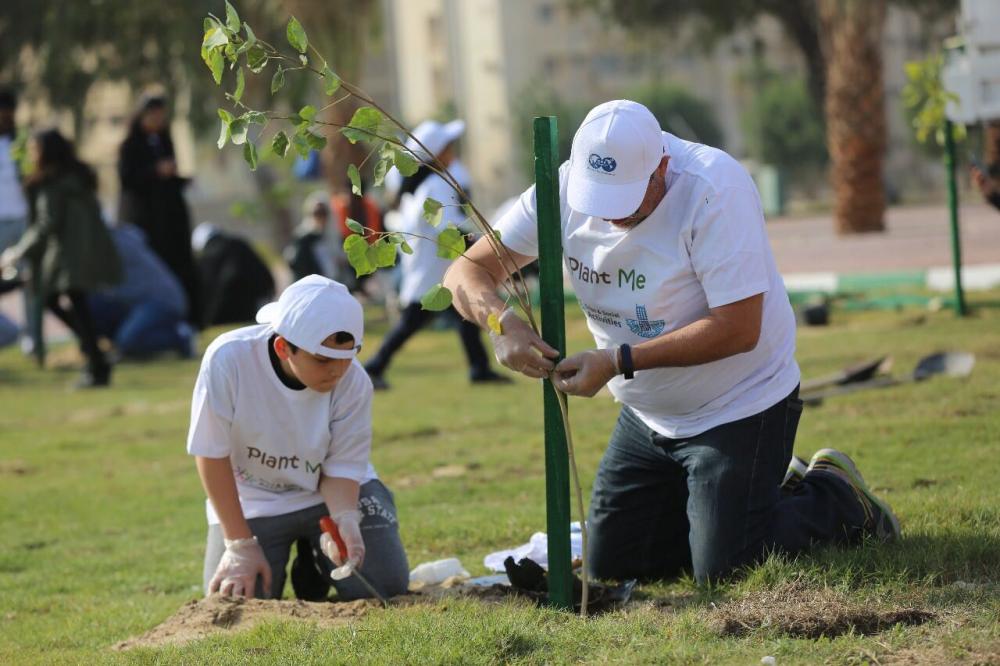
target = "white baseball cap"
x: 435, y: 136
x: 311, y: 310
x: 615, y: 151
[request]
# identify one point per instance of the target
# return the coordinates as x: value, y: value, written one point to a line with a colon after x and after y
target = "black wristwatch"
x: 625, y: 361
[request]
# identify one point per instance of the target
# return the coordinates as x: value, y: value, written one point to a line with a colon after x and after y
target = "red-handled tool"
x: 327, y: 525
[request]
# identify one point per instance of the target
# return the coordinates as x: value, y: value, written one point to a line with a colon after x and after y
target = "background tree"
x: 813, y: 26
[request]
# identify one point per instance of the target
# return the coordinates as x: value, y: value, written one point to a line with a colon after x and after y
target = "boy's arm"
x: 341, y: 498
x: 220, y: 486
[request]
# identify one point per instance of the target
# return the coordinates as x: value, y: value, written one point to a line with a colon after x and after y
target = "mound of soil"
x: 215, y: 614
x: 804, y: 612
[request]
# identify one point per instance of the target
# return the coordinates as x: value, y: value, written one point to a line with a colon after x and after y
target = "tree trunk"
x: 991, y: 145
x: 851, y: 31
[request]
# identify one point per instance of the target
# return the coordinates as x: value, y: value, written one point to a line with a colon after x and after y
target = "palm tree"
x: 854, y: 106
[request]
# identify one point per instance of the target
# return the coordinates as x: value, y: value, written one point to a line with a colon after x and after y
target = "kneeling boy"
x: 281, y: 433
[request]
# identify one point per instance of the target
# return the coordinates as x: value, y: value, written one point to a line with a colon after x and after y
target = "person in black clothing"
x: 236, y: 280
x: 152, y: 195
x: 309, y: 253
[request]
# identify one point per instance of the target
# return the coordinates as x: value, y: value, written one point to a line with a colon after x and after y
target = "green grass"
x: 102, y: 516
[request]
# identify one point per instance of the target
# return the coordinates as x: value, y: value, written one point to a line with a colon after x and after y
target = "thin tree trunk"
x: 851, y: 31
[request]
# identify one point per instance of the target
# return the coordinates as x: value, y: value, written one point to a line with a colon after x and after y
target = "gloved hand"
x: 349, y: 526
x: 517, y: 347
x: 585, y: 373
x: 236, y: 575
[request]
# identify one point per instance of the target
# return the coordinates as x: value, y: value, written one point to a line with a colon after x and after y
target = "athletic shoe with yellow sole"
x: 797, y: 468
x: 880, y: 521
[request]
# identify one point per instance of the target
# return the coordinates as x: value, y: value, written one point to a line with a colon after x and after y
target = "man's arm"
x: 473, y: 280
x: 727, y: 330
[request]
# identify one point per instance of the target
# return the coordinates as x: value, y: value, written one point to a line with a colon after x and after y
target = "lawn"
x: 102, y: 517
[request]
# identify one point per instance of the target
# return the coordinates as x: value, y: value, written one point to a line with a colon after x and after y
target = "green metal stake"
x: 956, y: 241
x: 553, y: 332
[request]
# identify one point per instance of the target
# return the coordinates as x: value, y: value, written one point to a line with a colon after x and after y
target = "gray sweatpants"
x: 385, y: 564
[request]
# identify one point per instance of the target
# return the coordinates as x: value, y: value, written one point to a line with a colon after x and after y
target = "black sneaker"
x: 880, y: 521
x: 490, y: 377
x: 378, y: 383
x: 797, y: 468
x: 308, y: 581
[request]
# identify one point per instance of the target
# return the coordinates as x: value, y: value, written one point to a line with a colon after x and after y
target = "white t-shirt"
x: 704, y: 246
x: 278, y: 439
x: 12, y: 203
x: 423, y: 269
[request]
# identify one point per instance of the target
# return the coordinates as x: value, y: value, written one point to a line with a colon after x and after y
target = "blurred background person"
x: 235, y: 280
x: 986, y: 183
x: 423, y: 269
x: 310, y: 251
x: 147, y: 313
x: 13, y: 207
x: 67, y: 244
x: 152, y: 194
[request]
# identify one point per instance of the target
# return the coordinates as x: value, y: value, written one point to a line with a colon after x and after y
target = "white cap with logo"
x: 615, y: 151
x: 311, y: 310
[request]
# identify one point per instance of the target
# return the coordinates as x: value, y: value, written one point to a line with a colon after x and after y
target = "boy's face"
x: 318, y: 373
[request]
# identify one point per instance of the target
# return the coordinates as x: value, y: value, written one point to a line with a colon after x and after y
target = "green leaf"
x: 301, y: 145
x: 225, y: 116
x: 223, y: 132
x: 277, y: 80
x: 238, y: 130
x: 307, y: 112
x: 214, y: 38
x: 250, y: 154
x: 450, y: 243
x: 215, y: 63
x: 255, y: 117
x: 381, y: 168
x: 251, y: 38
x: 313, y: 140
x: 240, y: 85
x: 355, y: 178
x: 279, y: 144
x: 331, y: 82
x: 356, y: 249
x: 382, y: 254
x: 257, y: 58
x: 436, y: 299
x: 232, y: 18
x: 364, y: 125
x: 405, y: 247
x: 405, y: 162
x: 433, y: 211
x: 355, y: 226
x: 296, y: 35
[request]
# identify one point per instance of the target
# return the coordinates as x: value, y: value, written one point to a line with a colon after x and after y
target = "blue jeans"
x: 385, y: 564
x: 141, y: 330
x: 709, y: 503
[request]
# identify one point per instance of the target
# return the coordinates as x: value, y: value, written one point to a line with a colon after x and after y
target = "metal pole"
x: 956, y: 241
x: 553, y: 332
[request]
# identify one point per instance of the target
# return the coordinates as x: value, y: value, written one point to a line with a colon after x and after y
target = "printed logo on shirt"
x: 243, y: 475
x: 602, y: 316
x: 280, y: 462
x: 643, y: 326
x: 605, y: 164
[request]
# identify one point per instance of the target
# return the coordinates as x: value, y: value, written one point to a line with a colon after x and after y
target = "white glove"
x: 517, y: 347
x: 8, y: 258
x: 349, y: 526
x: 584, y: 374
x: 236, y: 575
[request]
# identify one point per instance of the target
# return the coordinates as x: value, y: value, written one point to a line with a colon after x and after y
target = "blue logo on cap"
x: 597, y: 162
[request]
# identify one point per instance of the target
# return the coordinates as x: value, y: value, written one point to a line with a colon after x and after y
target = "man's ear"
x: 281, y: 348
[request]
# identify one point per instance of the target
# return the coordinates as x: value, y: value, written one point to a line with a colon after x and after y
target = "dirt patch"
x: 216, y: 614
x: 15, y: 468
x: 803, y: 612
